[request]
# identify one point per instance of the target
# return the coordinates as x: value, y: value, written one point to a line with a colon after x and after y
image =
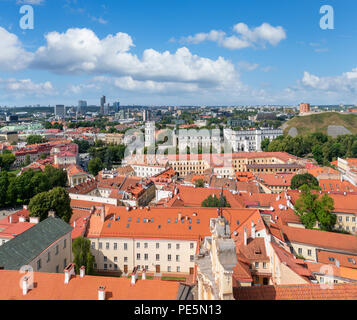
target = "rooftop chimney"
x: 68, y: 272
x: 253, y: 230
x: 10, y: 218
x: 22, y: 219
x: 245, y: 236
x: 25, y: 207
x: 82, y: 271
x: 133, y: 279
x: 25, y: 286
x: 34, y: 219
x: 51, y: 214
x: 101, y: 293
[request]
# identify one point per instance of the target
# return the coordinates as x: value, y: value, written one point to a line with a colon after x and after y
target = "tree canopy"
x: 35, y: 139
x: 300, y: 179
x: 313, y: 209
x: 214, y: 202
x: 95, y: 165
x: 82, y: 255
x: 57, y: 199
x: 321, y: 147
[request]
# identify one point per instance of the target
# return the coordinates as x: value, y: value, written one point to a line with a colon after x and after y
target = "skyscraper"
x: 116, y: 106
x: 60, y: 111
x: 102, y: 103
x: 82, y: 105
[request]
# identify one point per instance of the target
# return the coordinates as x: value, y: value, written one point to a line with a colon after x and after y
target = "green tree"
x: 95, y: 165
x: 300, y: 179
x: 27, y: 160
x: 56, y: 177
x: 35, y: 139
x: 6, y: 160
x: 311, y: 209
x: 214, y: 202
x: 265, y: 144
x: 57, y: 199
x: 4, y: 185
x: 82, y: 255
x: 199, y: 183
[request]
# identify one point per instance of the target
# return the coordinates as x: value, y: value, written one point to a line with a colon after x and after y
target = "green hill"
x: 321, y: 122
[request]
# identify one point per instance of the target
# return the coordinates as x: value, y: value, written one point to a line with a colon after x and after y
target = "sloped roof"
x: 25, y: 247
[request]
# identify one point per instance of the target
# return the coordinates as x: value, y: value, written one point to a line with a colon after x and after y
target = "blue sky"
x: 178, y: 52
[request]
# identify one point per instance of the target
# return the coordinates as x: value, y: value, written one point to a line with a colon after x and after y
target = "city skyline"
x: 177, y: 53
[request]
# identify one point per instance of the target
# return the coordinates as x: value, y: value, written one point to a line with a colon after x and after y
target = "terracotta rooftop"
x: 345, y: 291
x: 51, y: 286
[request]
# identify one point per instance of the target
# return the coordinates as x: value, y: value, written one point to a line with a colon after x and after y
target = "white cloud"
x: 346, y: 82
x: 26, y: 87
x: 12, y: 54
x: 246, y: 37
x: 262, y: 34
x: 244, y: 65
x: 79, y: 51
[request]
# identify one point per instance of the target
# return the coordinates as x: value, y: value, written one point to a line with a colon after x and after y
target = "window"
x: 264, y: 265
x: 57, y: 250
x: 178, y: 269
x: 138, y: 244
x: 57, y: 269
x: 38, y: 264
x: 115, y: 259
x: 125, y: 246
x: 48, y: 256
x: 145, y: 245
x: 107, y: 246
x: 347, y: 219
x: 168, y: 269
x: 146, y: 256
x: 105, y: 259
x: 105, y: 266
x: 93, y: 245
x: 115, y: 246
x: 125, y: 259
x: 257, y: 264
x: 64, y: 243
x: 157, y: 245
x: 300, y: 251
x: 138, y: 256
x: 115, y: 267
x: 354, y: 219
x: 157, y: 257
x: 177, y: 258
x: 309, y: 252
x: 169, y: 246
x: 65, y: 263
x: 192, y: 245
x: 177, y: 246
x: 169, y: 257
x: 100, y: 245
x: 192, y: 258
x: 340, y: 219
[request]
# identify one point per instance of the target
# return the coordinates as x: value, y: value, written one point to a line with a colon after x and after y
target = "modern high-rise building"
x: 60, y: 111
x: 116, y: 106
x: 82, y: 105
x: 102, y: 103
x: 146, y: 115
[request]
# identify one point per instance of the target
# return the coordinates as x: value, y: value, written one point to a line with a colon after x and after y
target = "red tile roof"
x: 345, y: 291
x: 51, y: 286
